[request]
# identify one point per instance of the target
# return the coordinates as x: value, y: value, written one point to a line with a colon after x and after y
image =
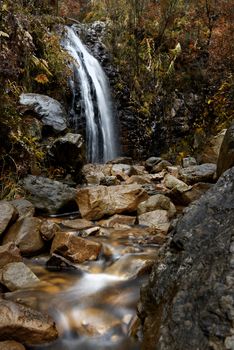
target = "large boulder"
x: 50, y: 111
x: 68, y: 151
x: 226, y: 154
x: 8, y: 213
x: 50, y: 196
x: 25, y: 233
x: 17, y: 275
x: 20, y: 323
x: 75, y: 249
x: 9, y: 253
x: 188, y: 302
x: 96, y: 202
x: 198, y: 173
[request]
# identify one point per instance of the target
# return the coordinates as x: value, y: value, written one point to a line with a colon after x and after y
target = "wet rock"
x: 50, y: 111
x: 9, y: 253
x: 118, y: 221
x: 50, y: 196
x: 226, y: 155
x: 188, y: 302
x: 188, y: 161
x: 25, y: 233
x: 25, y: 325
x: 75, y: 249
x: 69, y: 152
x: 92, y: 231
x: 158, y: 220
x: 160, y: 166
x: 172, y: 182
x: 48, y: 230
x: 8, y: 214
x: 210, y: 153
x: 17, y: 275
x: 24, y: 207
x: 11, y: 345
x: 198, y: 173
x: 151, y: 162
x: 159, y: 201
x: 78, y: 224
x: 59, y: 263
x: 96, y: 202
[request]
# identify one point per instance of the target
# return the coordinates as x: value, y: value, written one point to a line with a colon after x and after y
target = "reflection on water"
x: 93, y: 309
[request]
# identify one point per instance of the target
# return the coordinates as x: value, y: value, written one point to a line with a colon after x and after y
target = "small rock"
x: 198, y: 173
x: 139, y: 179
x: 160, y: 166
x: 188, y: 161
x: 92, y: 231
x: 109, y: 181
x: 159, y: 201
x: 138, y: 170
x: 48, y: 230
x: 11, y: 345
x: 17, y: 275
x: 9, y: 253
x: 121, y: 171
x: 118, y: 221
x: 77, y: 224
x: 25, y: 325
x: 59, y: 263
x: 24, y: 207
x: 121, y: 160
x: 75, y: 249
x: 158, y: 220
x: 172, y: 182
x: 8, y: 214
x: 151, y: 162
x: 194, y: 193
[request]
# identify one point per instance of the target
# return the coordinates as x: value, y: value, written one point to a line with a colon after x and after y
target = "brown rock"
x: 210, y: 153
x: 160, y: 166
x: 96, y: 202
x: 157, y: 219
x: 25, y: 325
x: 138, y: 170
x: 118, y: 221
x: 77, y: 224
x: 121, y: 171
x: 95, y: 173
x: 9, y: 253
x: 139, y: 179
x: 11, y: 345
x: 8, y: 214
x: 26, y: 235
x: 121, y: 160
x: 194, y: 193
x: 24, y: 207
x: 48, y: 230
x: 172, y: 182
x: 159, y: 201
x: 75, y: 249
x: 226, y: 154
x: 17, y: 275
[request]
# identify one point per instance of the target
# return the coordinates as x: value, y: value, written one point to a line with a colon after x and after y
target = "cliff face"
x: 188, y: 302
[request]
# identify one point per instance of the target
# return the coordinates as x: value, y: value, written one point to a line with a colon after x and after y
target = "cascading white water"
x: 96, y: 104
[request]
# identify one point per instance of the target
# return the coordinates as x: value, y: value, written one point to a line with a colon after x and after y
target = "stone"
x: 75, y: 249
x: 121, y: 160
x: 188, y: 301
x: 49, y: 196
x: 121, y: 171
x: 25, y: 325
x: 226, y: 154
x: 11, y: 345
x: 188, y: 161
x: 72, y: 145
x: 48, y: 229
x: 9, y: 253
x: 59, y: 263
x: 96, y: 202
x: 139, y: 179
x: 138, y: 170
x: 193, y: 194
x: 24, y: 207
x: 118, y: 221
x: 17, y: 275
x: 151, y: 162
x: 158, y: 220
x: 172, y: 182
x: 50, y: 111
x: 25, y: 233
x: 198, y: 173
x: 109, y: 181
x: 8, y: 214
x: 158, y: 201
x: 94, y: 174
x: 210, y: 153
x: 77, y: 224
x: 160, y: 166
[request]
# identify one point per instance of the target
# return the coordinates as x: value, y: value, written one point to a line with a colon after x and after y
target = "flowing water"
x: 91, y: 94
x: 95, y: 305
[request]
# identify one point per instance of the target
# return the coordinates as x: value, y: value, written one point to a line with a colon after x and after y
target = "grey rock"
x: 8, y: 213
x: 198, y: 173
x: 188, y: 302
x: 50, y: 196
x: 24, y: 207
x: 226, y: 154
x: 50, y: 111
x: 17, y: 275
x: 151, y: 162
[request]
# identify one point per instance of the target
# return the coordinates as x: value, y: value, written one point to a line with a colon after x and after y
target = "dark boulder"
x: 226, y: 154
x: 188, y: 302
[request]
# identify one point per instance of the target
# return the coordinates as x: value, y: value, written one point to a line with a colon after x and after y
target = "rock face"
x: 50, y: 111
x: 75, y: 249
x: 50, y: 196
x: 25, y: 325
x: 25, y: 233
x: 198, y: 173
x: 188, y: 302
x: 7, y: 214
x: 96, y: 202
x: 226, y: 154
x: 69, y: 152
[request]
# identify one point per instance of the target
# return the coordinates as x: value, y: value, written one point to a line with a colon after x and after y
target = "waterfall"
x: 95, y: 101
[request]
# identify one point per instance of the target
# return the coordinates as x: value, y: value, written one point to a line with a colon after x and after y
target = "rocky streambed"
x: 85, y: 269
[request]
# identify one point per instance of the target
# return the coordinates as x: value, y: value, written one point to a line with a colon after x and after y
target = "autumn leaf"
x: 41, y: 79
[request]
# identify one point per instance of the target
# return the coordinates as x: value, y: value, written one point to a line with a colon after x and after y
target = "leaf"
x: 41, y: 79
x: 3, y: 34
